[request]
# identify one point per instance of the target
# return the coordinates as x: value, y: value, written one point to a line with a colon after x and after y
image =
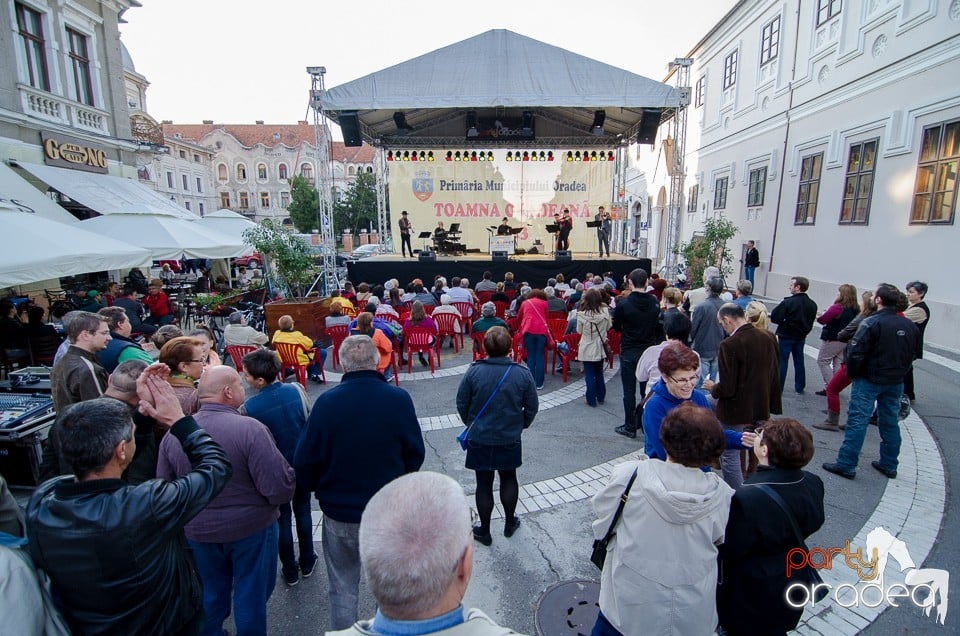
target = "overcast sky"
x: 237, y: 61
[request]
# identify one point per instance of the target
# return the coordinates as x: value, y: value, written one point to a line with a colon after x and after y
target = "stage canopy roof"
x: 505, y: 77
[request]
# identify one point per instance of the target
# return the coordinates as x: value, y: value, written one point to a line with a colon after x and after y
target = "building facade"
x: 62, y: 78
x: 252, y: 164
x: 828, y: 131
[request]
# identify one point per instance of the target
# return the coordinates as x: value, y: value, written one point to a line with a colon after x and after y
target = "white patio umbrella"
x: 228, y: 222
x: 167, y: 237
x: 40, y: 249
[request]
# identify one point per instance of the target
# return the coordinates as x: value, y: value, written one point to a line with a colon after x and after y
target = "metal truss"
x: 677, y: 125
x: 380, y: 169
x: 329, y: 279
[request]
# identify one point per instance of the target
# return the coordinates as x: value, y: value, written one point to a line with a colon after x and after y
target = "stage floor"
x: 532, y: 268
x: 485, y: 257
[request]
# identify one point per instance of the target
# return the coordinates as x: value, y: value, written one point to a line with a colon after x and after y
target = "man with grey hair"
x: 78, y: 376
x: 554, y: 303
x: 744, y: 291
x: 705, y: 332
x: 238, y: 332
x: 694, y: 297
x: 344, y: 461
x: 411, y: 532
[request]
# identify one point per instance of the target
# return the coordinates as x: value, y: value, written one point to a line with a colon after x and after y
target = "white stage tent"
x: 44, y: 241
x: 227, y: 222
x: 500, y: 73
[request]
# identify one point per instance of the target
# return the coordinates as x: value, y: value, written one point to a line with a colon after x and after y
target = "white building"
x: 179, y: 169
x: 829, y: 133
x: 252, y: 164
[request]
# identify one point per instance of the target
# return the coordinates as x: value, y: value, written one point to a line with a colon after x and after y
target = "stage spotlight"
x: 576, y: 157
x: 472, y: 125
x: 598, y: 117
x: 413, y: 157
x: 482, y: 157
x: 603, y: 156
x: 550, y: 156
x: 509, y: 156
x: 473, y: 156
x: 406, y: 155
x: 533, y: 156
x: 543, y: 156
x: 526, y: 156
x: 449, y: 155
x: 489, y: 155
x: 610, y: 156
x: 430, y: 156
x: 456, y: 157
x: 401, y: 121
x: 586, y: 156
x: 389, y: 155
x: 593, y: 156
x: 516, y: 156
x: 570, y: 155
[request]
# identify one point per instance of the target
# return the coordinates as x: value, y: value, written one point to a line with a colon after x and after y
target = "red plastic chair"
x: 557, y: 326
x: 465, y: 310
x: 446, y: 326
x: 420, y: 340
x: 290, y: 360
x: 236, y: 353
x: 556, y: 315
x: 511, y: 293
x: 337, y: 333
x: 613, y: 337
x: 513, y: 324
x: 394, y: 356
x: 479, y: 353
x: 484, y: 296
x: 573, y: 350
x: 518, y: 350
x: 501, y: 309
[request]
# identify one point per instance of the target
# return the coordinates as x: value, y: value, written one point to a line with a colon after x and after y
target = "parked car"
x: 364, y: 251
x: 254, y: 260
x: 317, y: 252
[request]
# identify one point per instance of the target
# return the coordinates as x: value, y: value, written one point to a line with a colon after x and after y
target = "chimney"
x: 167, y: 121
x: 302, y: 122
x: 259, y: 122
x: 208, y: 121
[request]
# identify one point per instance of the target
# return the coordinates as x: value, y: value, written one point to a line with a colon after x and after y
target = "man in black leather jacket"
x: 116, y: 553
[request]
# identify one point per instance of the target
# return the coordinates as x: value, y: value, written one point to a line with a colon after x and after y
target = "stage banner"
x: 480, y: 194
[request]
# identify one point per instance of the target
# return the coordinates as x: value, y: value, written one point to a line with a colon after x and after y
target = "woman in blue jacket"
x: 680, y: 371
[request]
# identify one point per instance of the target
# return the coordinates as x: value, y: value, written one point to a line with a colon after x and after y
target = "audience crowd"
x: 171, y: 498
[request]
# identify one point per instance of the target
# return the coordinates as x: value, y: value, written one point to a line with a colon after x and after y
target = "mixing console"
x: 19, y: 408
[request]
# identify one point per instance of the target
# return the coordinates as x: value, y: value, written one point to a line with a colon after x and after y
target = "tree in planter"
x: 288, y: 261
x: 304, y: 205
x: 709, y: 248
x: 357, y: 209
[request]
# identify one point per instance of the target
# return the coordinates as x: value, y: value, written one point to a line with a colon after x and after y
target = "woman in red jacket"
x: 533, y: 326
x: 156, y: 300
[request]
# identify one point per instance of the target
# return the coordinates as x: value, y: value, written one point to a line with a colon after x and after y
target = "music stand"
x: 554, y: 229
x: 596, y: 224
x: 425, y: 236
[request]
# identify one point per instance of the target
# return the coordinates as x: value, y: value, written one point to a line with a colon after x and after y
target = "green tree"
x: 288, y: 262
x: 709, y: 248
x: 357, y: 209
x: 304, y: 205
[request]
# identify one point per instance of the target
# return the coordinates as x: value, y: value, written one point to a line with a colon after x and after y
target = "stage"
x: 532, y: 268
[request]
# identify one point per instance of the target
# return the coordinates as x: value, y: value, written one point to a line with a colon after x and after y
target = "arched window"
x: 222, y: 172
x: 369, y: 170
x: 352, y: 171
x: 241, y: 172
x: 306, y: 170
x: 262, y: 171
x: 282, y: 172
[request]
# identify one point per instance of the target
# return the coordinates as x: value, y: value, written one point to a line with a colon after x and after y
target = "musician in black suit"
x: 439, y: 237
x: 504, y: 228
x: 566, y: 225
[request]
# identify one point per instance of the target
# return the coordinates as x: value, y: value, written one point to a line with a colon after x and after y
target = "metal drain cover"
x: 568, y: 607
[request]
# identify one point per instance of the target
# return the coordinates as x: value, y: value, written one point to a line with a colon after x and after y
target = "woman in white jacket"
x: 660, y: 574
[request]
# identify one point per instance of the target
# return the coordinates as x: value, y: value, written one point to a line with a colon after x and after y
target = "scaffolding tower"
x: 677, y: 165
x: 323, y: 168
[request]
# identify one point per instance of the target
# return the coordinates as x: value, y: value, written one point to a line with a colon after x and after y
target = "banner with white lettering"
x: 479, y: 194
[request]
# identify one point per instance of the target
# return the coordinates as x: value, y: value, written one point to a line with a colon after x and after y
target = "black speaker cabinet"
x: 563, y: 255
x: 498, y: 256
x: 350, y: 127
x: 648, y: 126
x: 428, y: 257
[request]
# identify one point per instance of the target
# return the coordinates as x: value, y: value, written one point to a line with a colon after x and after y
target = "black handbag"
x: 808, y: 575
x: 599, y: 554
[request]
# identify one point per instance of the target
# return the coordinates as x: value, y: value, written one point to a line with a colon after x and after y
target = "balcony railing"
x: 58, y: 109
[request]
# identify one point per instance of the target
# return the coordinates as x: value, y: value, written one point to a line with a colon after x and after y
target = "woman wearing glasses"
x: 679, y: 373
x: 184, y: 356
x: 753, y: 578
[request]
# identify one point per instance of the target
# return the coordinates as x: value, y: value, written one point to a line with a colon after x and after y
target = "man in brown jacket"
x: 749, y: 387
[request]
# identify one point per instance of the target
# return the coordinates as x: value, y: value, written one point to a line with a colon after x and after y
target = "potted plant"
x: 288, y: 265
